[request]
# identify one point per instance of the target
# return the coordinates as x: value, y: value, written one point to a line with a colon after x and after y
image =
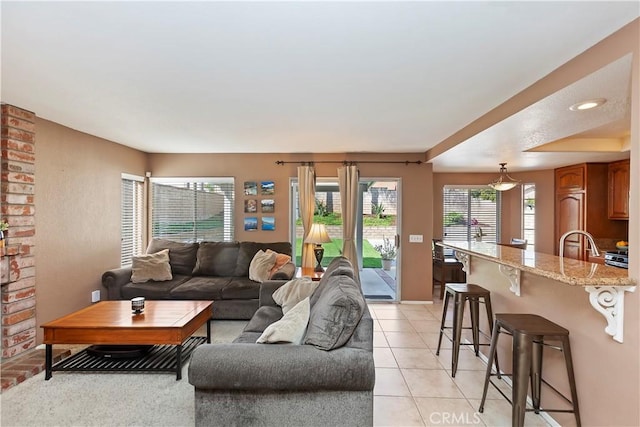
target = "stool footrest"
x: 481, y: 333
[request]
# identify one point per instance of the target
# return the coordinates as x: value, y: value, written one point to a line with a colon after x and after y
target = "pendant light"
x: 504, y: 181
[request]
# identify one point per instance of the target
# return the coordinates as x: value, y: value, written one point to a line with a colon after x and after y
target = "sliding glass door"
x: 376, y: 231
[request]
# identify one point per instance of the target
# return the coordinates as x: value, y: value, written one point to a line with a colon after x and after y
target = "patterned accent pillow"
x: 281, y: 259
x: 336, y: 313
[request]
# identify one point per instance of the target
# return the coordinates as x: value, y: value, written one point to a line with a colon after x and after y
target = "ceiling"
x: 299, y: 77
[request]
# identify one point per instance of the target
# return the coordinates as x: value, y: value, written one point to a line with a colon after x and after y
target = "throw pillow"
x: 289, y: 329
x: 286, y: 272
x: 182, y: 256
x: 261, y: 265
x: 281, y: 259
x: 336, y: 314
x: 294, y: 291
x: 151, y: 267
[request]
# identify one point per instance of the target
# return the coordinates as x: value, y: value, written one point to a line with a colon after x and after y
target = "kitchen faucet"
x: 592, y: 243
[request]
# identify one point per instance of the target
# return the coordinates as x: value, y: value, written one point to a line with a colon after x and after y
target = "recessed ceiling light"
x: 587, y: 105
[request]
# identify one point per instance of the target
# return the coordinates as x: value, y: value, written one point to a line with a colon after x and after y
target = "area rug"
x: 107, y: 399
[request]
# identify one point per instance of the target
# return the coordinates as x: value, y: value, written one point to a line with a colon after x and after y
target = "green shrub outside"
x: 453, y: 218
x: 332, y: 218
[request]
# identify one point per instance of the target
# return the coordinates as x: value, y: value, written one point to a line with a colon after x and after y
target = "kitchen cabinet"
x: 570, y: 216
x: 581, y: 192
x: 570, y: 178
x: 619, y: 190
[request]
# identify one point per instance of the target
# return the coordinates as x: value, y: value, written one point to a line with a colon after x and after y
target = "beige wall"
x: 77, y: 204
x: 416, y: 197
x: 511, y: 213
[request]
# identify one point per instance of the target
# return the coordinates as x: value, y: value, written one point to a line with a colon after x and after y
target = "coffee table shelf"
x: 161, y: 358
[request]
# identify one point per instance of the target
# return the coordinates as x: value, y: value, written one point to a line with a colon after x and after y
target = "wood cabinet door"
x: 619, y: 190
x: 570, y: 216
x: 570, y: 178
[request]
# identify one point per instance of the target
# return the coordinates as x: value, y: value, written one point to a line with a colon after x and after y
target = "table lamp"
x: 318, y: 235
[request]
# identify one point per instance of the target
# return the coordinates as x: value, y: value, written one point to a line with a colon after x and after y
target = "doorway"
x: 377, y: 229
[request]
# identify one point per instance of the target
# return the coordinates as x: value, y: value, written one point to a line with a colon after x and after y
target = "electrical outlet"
x: 415, y: 238
x: 95, y: 296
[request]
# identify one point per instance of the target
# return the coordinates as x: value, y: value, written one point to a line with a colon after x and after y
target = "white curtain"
x: 348, y: 180
x: 307, y: 206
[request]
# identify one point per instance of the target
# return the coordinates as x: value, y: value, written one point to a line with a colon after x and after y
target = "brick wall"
x: 17, y: 208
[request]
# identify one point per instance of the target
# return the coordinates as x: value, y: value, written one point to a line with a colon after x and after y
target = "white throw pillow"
x: 154, y: 267
x: 261, y: 265
x: 291, y: 328
x: 294, y: 291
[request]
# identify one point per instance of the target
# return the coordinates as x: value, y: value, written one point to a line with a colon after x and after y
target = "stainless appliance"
x: 617, y: 258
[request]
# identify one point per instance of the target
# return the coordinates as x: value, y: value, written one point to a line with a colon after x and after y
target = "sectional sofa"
x: 216, y: 271
x: 326, y: 380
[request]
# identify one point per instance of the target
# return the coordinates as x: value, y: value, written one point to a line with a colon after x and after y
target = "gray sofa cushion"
x: 338, y: 266
x: 262, y: 318
x: 152, y: 289
x: 217, y: 259
x: 247, y: 338
x: 182, y: 256
x: 200, y: 288
x: 247, y: 251
x: 336, y: 313
x: 241, y: 288
x: 279, y: 368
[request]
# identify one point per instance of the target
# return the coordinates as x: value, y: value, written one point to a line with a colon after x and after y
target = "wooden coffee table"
x: 112, y: 322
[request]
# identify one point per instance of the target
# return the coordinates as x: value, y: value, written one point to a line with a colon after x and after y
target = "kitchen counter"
x: 565, y: 270
x: 605, y: 284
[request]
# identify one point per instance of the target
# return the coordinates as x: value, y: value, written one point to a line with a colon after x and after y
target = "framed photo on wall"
x: 267, y: 188
x: 251, y: 223
x: 267, y: 205
x: 250, y: 206
x: 268, y: 223
x: 250, y: 188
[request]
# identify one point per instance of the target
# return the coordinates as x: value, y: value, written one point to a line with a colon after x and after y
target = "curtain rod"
x: 350, y: 162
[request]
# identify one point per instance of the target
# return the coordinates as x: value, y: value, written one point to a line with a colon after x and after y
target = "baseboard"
x: 415, y: 302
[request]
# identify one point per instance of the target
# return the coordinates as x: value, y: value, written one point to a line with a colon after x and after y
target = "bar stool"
x: 463, y: 292
x: 529, y: 333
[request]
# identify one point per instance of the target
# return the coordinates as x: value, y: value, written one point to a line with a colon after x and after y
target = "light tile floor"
x: 414, y: 387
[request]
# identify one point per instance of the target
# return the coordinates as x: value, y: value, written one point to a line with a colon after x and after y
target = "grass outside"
x: 370, y: 257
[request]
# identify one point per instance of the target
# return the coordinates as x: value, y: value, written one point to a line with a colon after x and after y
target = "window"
x: 471, y: 213
x: 131, y: 218
x: 529, y: 214
x: 192, y: 209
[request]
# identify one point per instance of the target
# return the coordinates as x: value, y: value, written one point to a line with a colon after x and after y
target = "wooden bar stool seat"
x: 530, y: 333
x: 461, y: 293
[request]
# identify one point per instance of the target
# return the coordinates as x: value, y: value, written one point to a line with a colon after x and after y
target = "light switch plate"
x: 415, y: 238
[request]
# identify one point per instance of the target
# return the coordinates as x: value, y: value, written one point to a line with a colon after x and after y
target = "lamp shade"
x: 504, y: 181
x: 318, y: 234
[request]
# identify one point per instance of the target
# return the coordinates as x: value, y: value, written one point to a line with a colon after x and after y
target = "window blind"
x: 192, y: 209
x: 471, y: 212
x: 131, y: 218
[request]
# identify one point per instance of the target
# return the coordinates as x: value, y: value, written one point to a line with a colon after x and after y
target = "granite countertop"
x: 565, y: 270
